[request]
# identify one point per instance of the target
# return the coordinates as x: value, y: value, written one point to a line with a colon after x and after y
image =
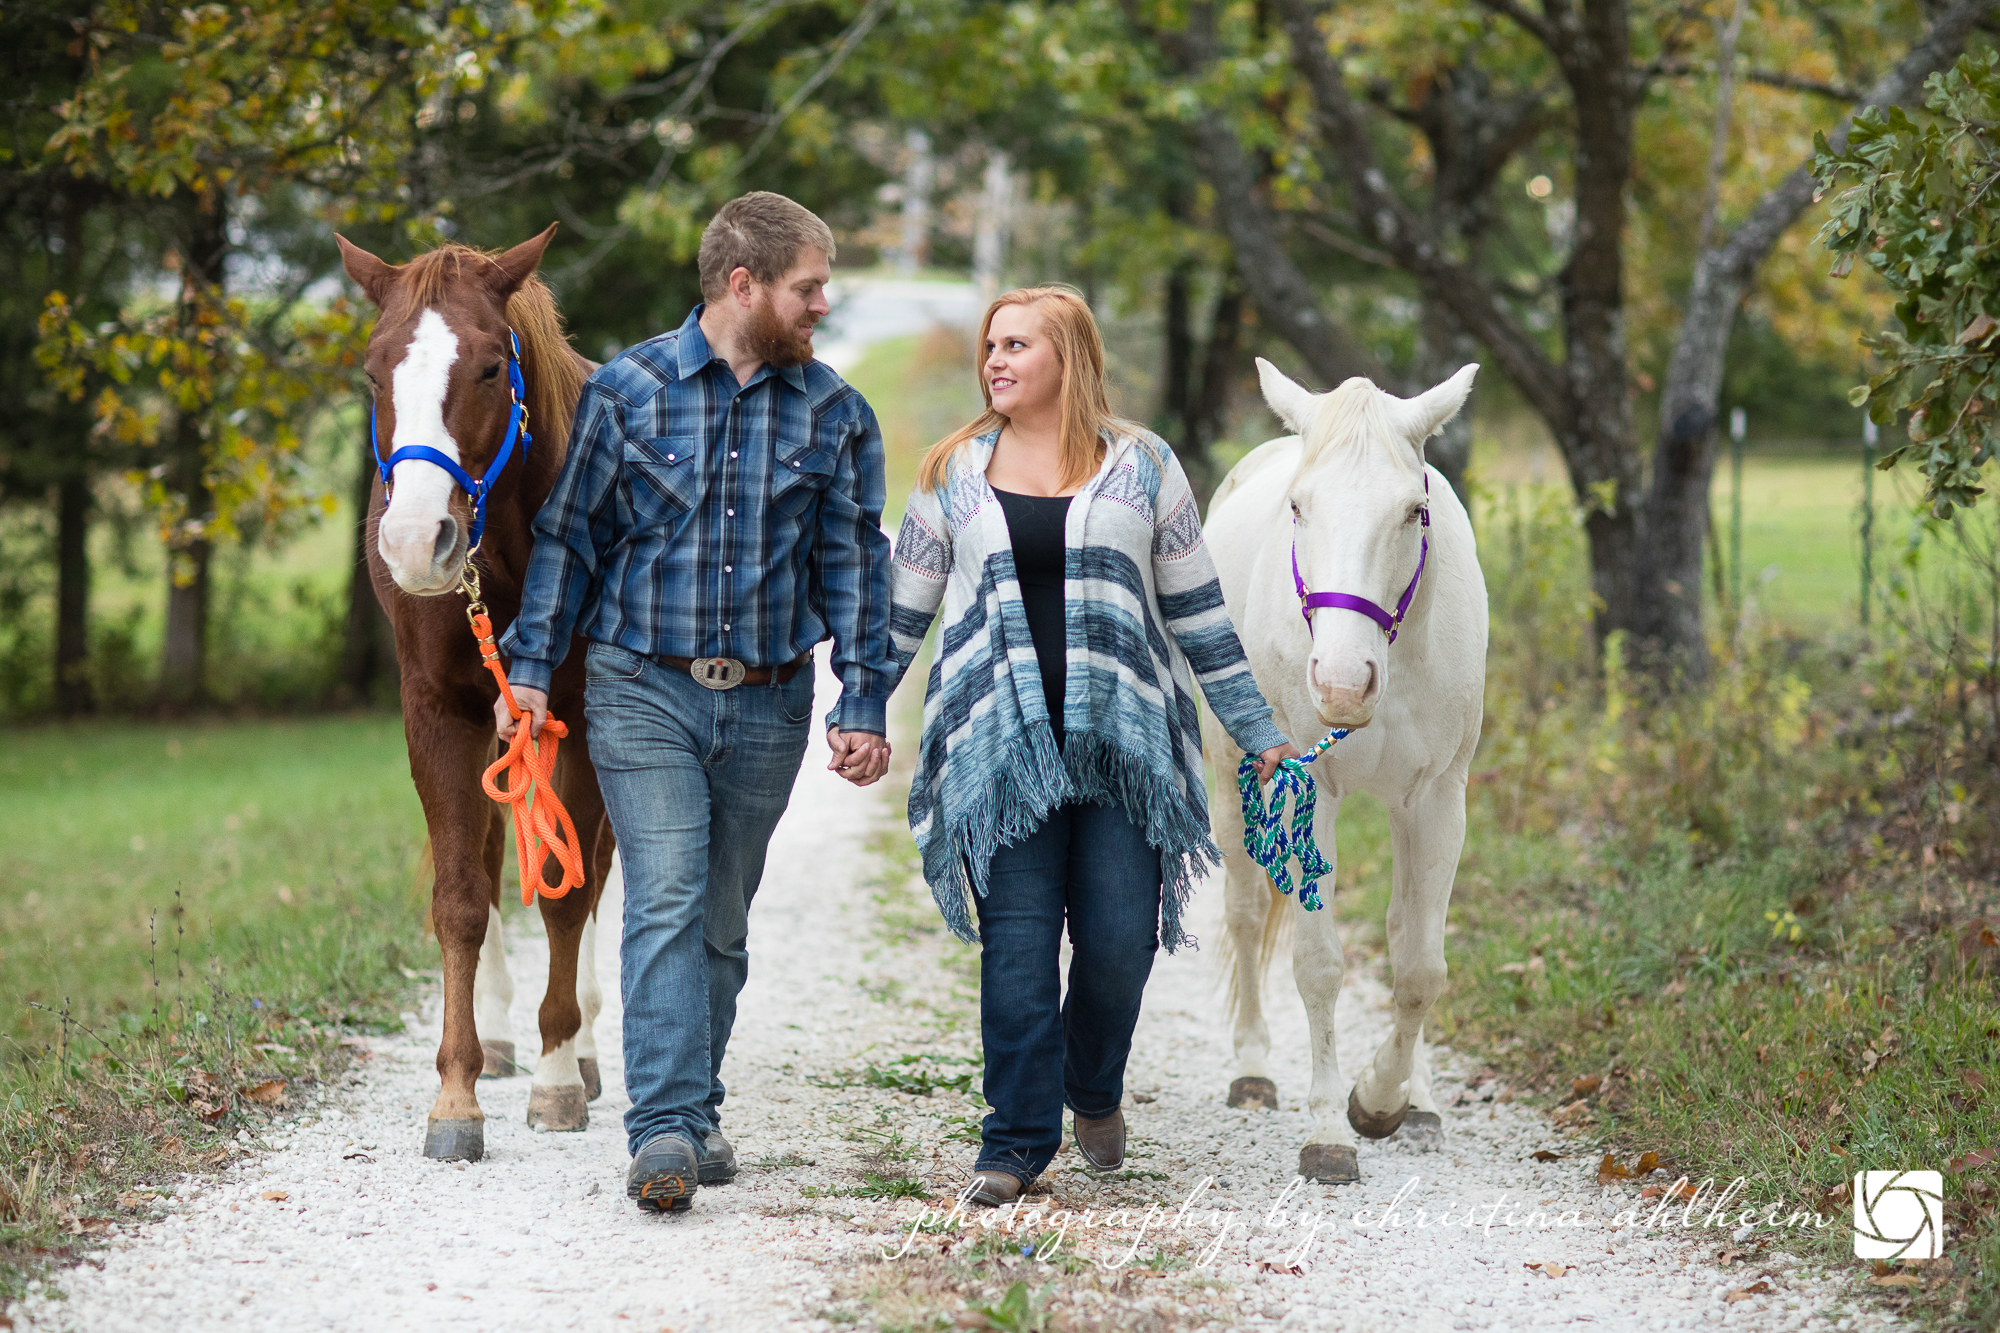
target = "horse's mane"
x: 554, y: 374
x: 1355, y: 413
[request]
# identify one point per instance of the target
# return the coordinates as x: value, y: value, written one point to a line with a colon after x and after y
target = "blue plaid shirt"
x: 696, y: 517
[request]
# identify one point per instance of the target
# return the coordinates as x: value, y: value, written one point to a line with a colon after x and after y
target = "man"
x: 718, y: 515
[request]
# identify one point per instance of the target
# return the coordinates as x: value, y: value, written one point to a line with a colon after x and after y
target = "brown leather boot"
x: 993, y: 1188
x: 1101, y: 1141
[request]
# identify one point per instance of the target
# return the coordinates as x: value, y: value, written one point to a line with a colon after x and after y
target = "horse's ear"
x: 1293, y: 403
x: 1425, y: 415
x: 373, y: 276
x: 511, y: 269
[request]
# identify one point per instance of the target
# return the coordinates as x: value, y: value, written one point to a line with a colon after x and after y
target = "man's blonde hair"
x: 760, y: 231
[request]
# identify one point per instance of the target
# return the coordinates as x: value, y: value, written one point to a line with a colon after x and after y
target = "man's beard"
x: 774, y: 342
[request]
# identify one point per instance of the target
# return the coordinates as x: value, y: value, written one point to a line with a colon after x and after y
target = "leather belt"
x: 726, y: 673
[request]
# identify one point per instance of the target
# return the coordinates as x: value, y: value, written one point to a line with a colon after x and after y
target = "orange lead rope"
x: 541, y: 826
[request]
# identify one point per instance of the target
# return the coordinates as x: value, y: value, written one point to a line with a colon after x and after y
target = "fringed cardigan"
x: 1141, y: 605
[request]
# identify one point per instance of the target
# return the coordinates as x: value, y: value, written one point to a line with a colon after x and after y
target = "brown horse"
x: 438, y: 364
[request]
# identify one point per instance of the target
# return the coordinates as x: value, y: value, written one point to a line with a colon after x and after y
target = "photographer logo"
x: 1898, y: 1215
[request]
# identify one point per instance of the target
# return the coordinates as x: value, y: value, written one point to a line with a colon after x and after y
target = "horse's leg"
x: 1426, y: 838
x: 446, y: 755
x: 1318, y: 968
x: 589, y: 994
x: 1246, y: 908
x: 493, y: 984
x: 559, y: 1100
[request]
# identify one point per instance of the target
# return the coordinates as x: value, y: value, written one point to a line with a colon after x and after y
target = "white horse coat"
x: 1349, y: 488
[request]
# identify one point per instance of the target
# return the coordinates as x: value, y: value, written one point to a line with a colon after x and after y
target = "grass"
x: 199, y: 914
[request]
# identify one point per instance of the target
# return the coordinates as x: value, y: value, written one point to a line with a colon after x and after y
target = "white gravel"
x: 540, y: 1236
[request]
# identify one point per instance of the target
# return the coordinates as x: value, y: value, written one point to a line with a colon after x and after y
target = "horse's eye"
x: 492, y: 372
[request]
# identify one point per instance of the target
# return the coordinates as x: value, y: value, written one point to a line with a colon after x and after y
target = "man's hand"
x: 533, y: 702
x: 859, y: 756
x: 1267, y: 762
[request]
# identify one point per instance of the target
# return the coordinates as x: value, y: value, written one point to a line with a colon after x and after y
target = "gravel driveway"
x: 849, y: 978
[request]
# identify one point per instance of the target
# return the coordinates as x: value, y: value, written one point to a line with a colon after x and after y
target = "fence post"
x: 1737, y: 421
x: 1868, y: 439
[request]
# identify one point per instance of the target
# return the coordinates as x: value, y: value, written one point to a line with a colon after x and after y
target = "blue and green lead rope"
x: 1265, y: 837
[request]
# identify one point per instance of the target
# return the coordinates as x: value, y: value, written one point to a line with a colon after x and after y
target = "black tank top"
x: 1035, y: 526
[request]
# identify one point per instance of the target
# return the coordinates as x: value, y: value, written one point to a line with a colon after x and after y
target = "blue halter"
x: 480, y: 490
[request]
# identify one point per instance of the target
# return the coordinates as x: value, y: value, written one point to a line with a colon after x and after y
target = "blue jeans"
x: 694, y: 780
x: 1089, y: 865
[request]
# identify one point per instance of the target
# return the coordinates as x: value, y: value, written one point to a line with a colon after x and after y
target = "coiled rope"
x: 1265, y: 837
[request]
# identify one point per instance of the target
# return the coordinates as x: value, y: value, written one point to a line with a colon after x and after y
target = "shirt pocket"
x: 804, y: 470
x: 660, y: 477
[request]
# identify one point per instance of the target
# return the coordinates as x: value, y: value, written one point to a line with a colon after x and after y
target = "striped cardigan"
x: 1142, y: 606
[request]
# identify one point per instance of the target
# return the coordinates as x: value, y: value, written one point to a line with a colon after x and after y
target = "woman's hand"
x: 1267, y: 762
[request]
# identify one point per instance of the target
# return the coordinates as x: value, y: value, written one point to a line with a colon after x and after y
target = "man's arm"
x: 852, y: 552
x: 572, y: 532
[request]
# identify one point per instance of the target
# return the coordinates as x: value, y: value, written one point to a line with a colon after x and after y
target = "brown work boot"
x: 993, y: 1188
x: 1101, y: 1141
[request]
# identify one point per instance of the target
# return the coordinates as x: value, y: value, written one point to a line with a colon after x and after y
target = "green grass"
x: 282, y: 851
x: 922, y: 388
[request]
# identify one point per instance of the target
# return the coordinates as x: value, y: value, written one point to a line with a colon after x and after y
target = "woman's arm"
x: 1191, y: 603
x: 918, y: 572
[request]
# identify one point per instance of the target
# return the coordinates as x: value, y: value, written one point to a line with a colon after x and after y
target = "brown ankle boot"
x: 1101, y: 1141
x: 993, y: 1188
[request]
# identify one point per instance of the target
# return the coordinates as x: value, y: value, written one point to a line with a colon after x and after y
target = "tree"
x: 1408, y: 185
x: 1919, y: 213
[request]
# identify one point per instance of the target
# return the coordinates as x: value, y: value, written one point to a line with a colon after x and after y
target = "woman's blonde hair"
x: 1086, y: 410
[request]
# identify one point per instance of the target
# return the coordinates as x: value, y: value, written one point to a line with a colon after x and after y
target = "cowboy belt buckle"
x: 718, y: 673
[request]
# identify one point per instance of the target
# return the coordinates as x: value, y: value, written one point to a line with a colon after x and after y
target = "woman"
x: 1059, y: 775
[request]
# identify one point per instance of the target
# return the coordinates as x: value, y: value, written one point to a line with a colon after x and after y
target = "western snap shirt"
x: 698, y: 517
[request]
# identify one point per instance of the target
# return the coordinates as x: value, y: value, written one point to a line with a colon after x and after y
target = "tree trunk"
x: 1677, y: 510
x: 368, y: 650
x: 73, y: 692
x: 1442, y: 347
x: 184, y: 654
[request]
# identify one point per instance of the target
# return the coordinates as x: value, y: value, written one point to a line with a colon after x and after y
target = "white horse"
x: 1352, y: 496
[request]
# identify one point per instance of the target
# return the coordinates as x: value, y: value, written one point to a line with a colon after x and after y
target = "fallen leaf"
x: 276, y: 1196
x: 1289, y: 1269
x: 357, y: 1157
x: 1609, y: 1171
x: 209, y: 1115
x: 1586, y: 1085
x: 1728, y: 1255
x: 1544, y: 1155
x: 271, y: 1092
x: 1551, y: 1268
x: 1758, y: 1288
x: 1896, y: 1280
x: 1972, y: 1161
x: 1680, y: 1191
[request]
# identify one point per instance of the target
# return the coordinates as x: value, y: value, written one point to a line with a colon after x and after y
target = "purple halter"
x: 1312, y: 601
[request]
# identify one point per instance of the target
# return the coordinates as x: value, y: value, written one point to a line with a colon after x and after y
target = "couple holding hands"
x: 719, y: 515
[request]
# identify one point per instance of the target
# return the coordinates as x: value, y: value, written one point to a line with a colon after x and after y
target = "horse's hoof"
x: 499, y: 1059
x: 1422, y: 1129
x: 1367, y: 1123
x: 1329, y: 1163
x: 560, y: 1108
x: 1254, y: 1092
x: 593, y: 1084
x: 455, y: 1140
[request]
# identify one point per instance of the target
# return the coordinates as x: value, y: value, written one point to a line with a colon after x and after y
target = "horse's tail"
x: 1276, y: 932
x: 421, y: 879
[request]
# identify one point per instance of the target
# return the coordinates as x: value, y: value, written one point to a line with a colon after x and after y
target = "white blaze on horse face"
x: 418, y: 535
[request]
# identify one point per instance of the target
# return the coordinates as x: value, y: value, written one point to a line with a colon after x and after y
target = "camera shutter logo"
x: 1898, y: 1215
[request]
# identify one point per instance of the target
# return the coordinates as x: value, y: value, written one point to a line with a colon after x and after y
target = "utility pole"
x: 1738, y: 420
x: 1868, y: 441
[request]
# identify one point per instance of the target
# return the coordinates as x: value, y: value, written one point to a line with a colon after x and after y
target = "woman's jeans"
x: 694, y: 780
x: 1091, y: 865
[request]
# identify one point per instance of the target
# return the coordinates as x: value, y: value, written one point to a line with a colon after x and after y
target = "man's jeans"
x: 1091, y: 864
x: 694, y: 780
